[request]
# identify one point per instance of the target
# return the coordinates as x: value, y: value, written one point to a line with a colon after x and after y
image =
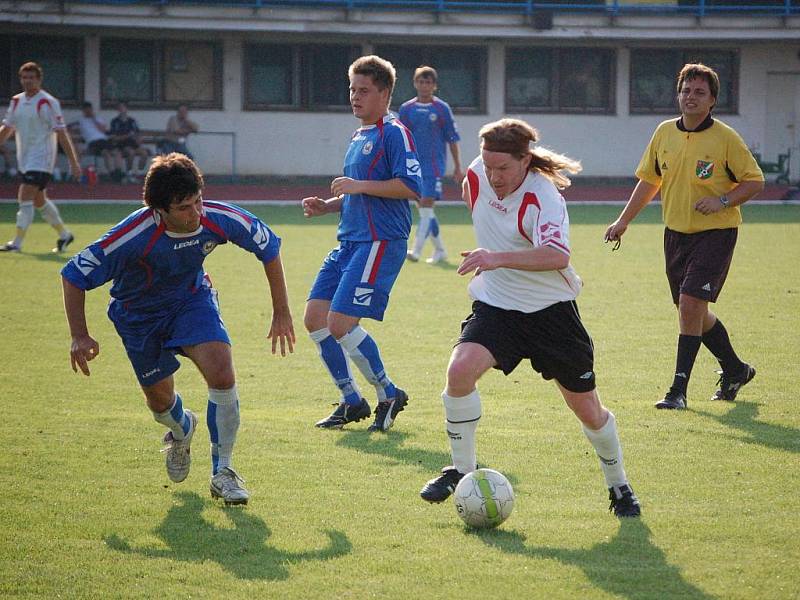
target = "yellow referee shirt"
x: 688, y: 165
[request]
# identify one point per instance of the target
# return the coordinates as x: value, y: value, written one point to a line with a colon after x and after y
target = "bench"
x: 781, y: 166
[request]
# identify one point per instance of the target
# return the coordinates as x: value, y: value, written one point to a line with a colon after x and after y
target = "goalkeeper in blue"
x: 163, y: 305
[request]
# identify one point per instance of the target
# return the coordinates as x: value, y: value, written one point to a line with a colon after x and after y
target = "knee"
x: 221, y: 379
x: 461, y: 378
x: 313, y: 322
x: 159, y: 400
x: 338, y: 328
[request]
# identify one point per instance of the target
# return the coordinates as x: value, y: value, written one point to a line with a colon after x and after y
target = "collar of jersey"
x: 386, y: 118
x: 418, y: 103
x: 707, y: 122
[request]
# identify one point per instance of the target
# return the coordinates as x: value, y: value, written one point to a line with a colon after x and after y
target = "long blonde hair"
x: 514, y: 136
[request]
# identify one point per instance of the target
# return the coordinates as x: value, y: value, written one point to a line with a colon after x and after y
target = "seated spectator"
x: 125, y: 136
x: 179, y: 127
x: 7, y: 154
x: 93, y: 131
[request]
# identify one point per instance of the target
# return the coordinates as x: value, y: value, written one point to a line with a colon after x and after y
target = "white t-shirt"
x: 35, y: 119
x: 534, y: 215
x: 90, y: 131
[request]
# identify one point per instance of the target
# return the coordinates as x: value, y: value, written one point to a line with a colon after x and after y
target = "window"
x: 461, y: 70
x: 654, y: 77
x: 61, y: 59
x: 579, y: 80
x: 283, y: 76
x: 161, y: 74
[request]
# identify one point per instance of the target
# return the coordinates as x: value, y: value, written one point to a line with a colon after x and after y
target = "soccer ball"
x: 484, y: 498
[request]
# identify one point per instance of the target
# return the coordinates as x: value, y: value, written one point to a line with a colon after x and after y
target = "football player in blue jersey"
x: 381, y: 172
x: 162, y: 304
x: 431, y: 122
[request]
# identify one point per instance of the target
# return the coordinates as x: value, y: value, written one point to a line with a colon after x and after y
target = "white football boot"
x: 179, y: 459
x: 226, y: 484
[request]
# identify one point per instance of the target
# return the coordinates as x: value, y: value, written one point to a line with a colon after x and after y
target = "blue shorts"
x: 153, y: 339
x: 356, y: 277
x: 431, y: 187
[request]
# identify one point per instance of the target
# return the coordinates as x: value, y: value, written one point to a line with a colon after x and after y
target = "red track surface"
x: 243, y: 193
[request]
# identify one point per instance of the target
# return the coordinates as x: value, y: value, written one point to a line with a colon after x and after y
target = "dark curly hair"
x: 171, y: 178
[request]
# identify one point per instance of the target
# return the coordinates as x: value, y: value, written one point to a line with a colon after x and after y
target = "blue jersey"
x: 379, y: 152
x: 433, y: 128
x: 154, y: 269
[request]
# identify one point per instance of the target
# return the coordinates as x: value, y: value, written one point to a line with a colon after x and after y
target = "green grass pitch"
x: 87, y: 511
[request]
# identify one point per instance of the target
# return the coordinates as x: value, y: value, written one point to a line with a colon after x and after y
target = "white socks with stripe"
x: 461, y: 418
x: 50, y: 214
x: 363, y: 351
x: 175, y: 419
x: 222, y: 418
x: 423, y: 228
x: 606, y: 444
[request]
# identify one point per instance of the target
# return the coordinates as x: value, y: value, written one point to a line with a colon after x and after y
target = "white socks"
x: 222, y: 418
x: 50, y: 214
x: 462, y: 416
x: 606, y: 444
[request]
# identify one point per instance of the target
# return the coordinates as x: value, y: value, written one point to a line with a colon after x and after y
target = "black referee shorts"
x: 553, y: 339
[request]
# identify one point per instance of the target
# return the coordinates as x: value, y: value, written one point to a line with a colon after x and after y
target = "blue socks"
x: 334, y: 358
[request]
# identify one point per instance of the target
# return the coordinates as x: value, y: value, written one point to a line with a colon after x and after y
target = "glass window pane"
x: 327, y: 74
x: 529, y: 78
x: 59, y: 58
x: 9, y: 82
x: 585, y: 78
x: 405, y: 60
x: 127, y: 71
x: 460, y: 71
x: 189, y: 73
x: 269, y: 75
x: 653, y: 79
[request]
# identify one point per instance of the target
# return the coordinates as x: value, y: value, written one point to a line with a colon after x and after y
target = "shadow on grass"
x: 628, y: 566
x: 242, y: 551
x: 743, y: 416
x: 392, y: 445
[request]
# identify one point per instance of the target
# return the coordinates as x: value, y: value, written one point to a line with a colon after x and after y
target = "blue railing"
x: 698, y: 8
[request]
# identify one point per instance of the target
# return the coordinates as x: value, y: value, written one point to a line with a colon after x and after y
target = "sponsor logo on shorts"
x: 707, y: 287
x: 151, y: 372
x: 587, y: 375
x: 363, y: 296
x: 367, y: 147
x: 209, y: 246
x: 186, y: 244
x: 704, y: 169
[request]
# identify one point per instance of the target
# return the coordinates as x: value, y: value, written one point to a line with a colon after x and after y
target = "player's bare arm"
x: 391, y: 188
x: 736, y: 197
x: 542, y: 258
x: 84, y: 347
x: 281, y: 330
x: 458, y: 174
x: 641, y: 196
x: 5, y: 133
x: 314, y: 206
x: 65, y: 141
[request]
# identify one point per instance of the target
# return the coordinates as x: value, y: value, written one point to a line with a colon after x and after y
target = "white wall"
x: 307, y: 143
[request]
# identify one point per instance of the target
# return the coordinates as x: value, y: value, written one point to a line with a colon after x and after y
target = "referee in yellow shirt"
x: 705, y: 172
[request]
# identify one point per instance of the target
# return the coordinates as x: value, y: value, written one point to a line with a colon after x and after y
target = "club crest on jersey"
x: 367, y: 147
x: 432, y: 117
x: 363, y: 296
x: 704, y: 170
x: 209, y: 246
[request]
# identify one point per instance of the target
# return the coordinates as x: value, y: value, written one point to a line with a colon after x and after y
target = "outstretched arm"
x: 314, y: 206
x: 84, y: 348
x: 282, y: 328
x: 5, y: 133
x: 390, y: 188
x: 542, y: 258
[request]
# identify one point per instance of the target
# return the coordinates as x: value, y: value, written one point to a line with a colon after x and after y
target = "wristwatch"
x: 724, y: 201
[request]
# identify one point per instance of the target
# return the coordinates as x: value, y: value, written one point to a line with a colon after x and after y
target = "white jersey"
x: 534, y: 215
x: 91, y: 129
x: 36, y: 120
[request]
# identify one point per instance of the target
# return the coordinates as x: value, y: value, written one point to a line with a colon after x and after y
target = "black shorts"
x: 97, y: 147
x: 38, y: 178
x: 697, y: 263
x: 553, y: 339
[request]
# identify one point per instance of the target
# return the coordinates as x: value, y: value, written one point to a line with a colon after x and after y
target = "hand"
x: 478, y: 260
x: 615, y: 231
x: 282, y: 330
x: 84, y: 348
x: 314, y: 207
x: 458, y: 175
x: 75, y: 171
x: 344, y: 185
x: 708, y: 205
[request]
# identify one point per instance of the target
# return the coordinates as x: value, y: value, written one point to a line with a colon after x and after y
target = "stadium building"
x: 266, y: 81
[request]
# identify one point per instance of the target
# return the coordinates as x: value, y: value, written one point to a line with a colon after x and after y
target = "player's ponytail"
x: 514, y: 136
